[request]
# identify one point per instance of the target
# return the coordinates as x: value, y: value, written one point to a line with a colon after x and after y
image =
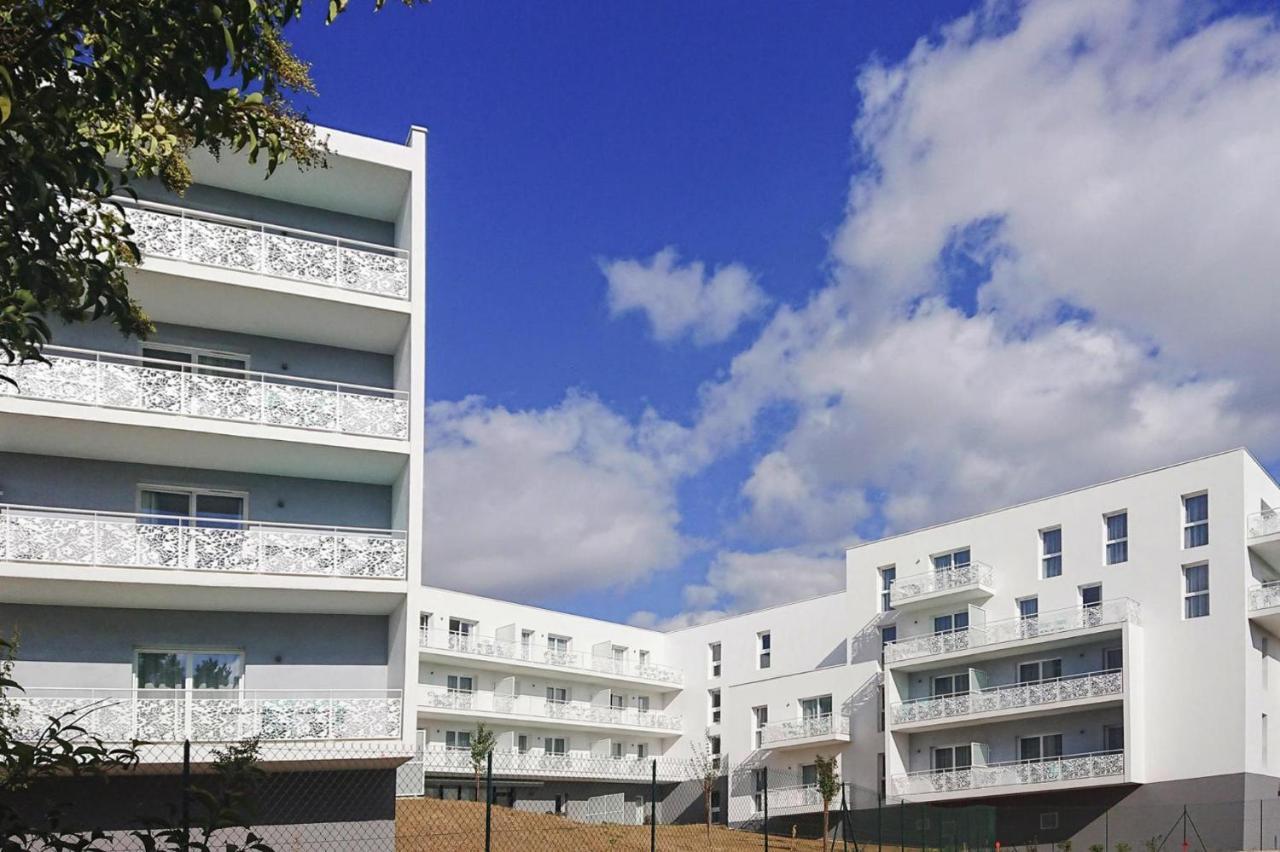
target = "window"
x: 714, y: 650
x: 642, y: 751
x: 887, y: 635
x: 457, y: 740
x: 764, y: 649
x: 759, y: 718
x: 1091, y: 596
x: 813, y: 708
x: 1051, y: 553
x: 175, y: 506
x: 555, y: 746
x: 460, y: 683
x: 1113, y: 659
x: 888, y: 574
x: 809, y: 775
x: 1044, y: 747
x: 522, y: 744
x: 951, y: 623
x: 192, y: 360
x: 557, y: 695
x: 1113, y: 737
x: 1195, y: 581
x: 714, y: 696
x: 1195, y: 520
x: 1039, y: 670
x: 185, y: 671
x: 953, y: 757
x: 954, y: 559
x: 1117, y: 538
x: 1048, y: 820
x: 952, y: 684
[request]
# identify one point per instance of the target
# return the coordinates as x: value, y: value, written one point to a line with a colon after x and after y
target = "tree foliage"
x: 94, y: 95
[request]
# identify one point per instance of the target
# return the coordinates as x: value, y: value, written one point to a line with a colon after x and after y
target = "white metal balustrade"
x: 1072, y: 767
x: 118, y: 539
x: 211, y: 715
x: 1009, y: 697
x: 827, y: 726
x: 1112, y: 612
x: 570, y: 765
x: 179, y: 233
x: 972, y: 575
x: 159, y: 386
x: 506, y: 649
x: 505, y: 704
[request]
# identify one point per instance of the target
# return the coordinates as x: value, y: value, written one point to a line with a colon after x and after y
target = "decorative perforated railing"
x: 973, y: 575
x: 157, y: 386
x: 114, y: 539
x: 482, y: 701
x: 178, y: 233
x: 1072, y: 767
x: 505, y: 649
x: 1264, y: 596
x: 1010, y: 697
x: 169, y: 716
x: 1112, y: 612
x: 834, y: 726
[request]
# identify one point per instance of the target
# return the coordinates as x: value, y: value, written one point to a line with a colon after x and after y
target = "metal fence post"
x: 186, y: 795
x: 653, y: 806
x: 488, y: 801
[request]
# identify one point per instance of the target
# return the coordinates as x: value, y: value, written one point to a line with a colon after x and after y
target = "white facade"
x: 217, y: 530
x: 1046, y: 646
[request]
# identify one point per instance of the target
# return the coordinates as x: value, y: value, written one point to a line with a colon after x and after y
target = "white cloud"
x: 530, y: 504
x: 682, y: 300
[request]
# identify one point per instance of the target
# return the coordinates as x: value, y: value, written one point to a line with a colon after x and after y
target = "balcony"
x: 1075, y: 770
x: 241, y: 245
x: 1010, y: 635
x: 1010, y: 701
x: 512, y: 764
x: 438, y: 700
x: 810, y: 731
x: 961, y: 584
x: 116, y: 539
x: 212, y: 716
x: 507, y: 654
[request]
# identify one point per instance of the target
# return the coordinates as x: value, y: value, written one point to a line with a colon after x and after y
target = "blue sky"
x: 985, y: 205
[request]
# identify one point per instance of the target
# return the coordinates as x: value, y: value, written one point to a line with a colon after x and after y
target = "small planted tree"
x: 482, y: 742
x: 705, y: 766
x: 828, y: 787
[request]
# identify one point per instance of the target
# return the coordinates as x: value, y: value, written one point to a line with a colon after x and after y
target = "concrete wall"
x: 94, y: 648
x: 113, y: 487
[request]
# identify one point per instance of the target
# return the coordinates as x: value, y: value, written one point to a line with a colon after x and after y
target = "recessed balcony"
x: 959, y: 584
x: 479, y: 704
x: 97, y: 402
x: 212, y: 715
x: 821, y: 730
x: 1011, y: 701
x: 997, y: 638
x: 504, y: 654
x: 1067, y: 771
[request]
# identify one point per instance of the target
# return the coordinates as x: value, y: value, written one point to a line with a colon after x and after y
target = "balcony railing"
x: 1073, y: 767
x: 1264, y: 596
x: 1112, y: 612
x: 210, y: 239
x: 170, y: 716
x: 504, y: 704
x: 1010, y: 697
x: 117, y: 539
x: 158, y: 386
x: 829, y: 726
x: 512, y: 763
x: 1264, y: 524
x: 505, y: 649
x: 974, y: 574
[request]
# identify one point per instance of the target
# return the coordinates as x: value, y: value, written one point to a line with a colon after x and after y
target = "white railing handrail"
x: 514, y: 649
x: 1004, y: 687
x: 1027, y: 627
x: 924, y: 773
x: 255, y: 224
x: 195, y: 520
x: 224, y: 372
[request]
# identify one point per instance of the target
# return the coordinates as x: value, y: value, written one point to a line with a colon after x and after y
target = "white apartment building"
x: 1113, y: 643
x: 216, y: 532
